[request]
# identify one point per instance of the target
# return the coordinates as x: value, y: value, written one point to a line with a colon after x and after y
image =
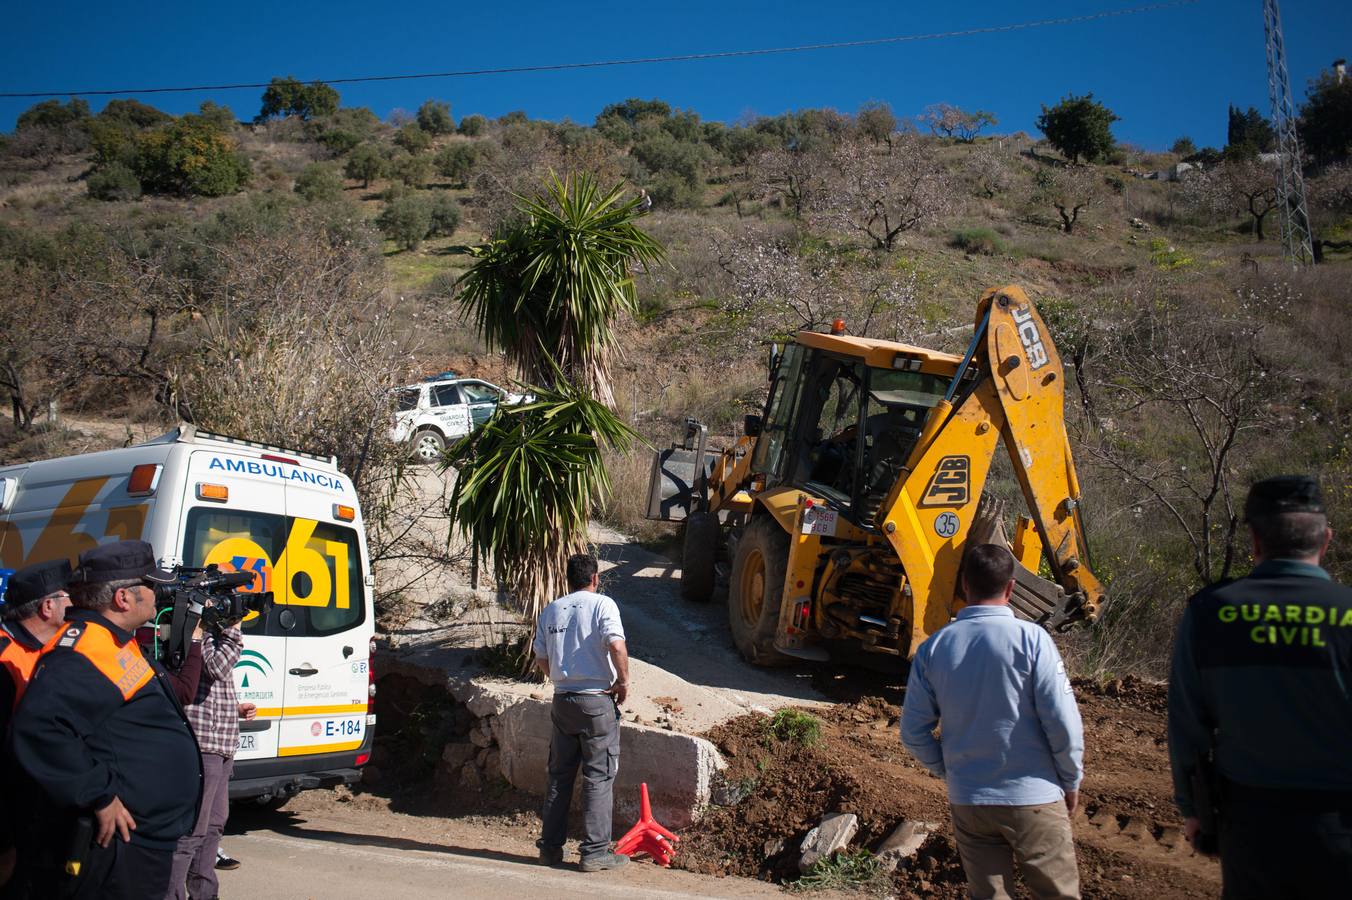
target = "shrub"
x: 339, y: 141
x: 413, y: 139
x: 115, y: 181
x: 365, y: 163
x: 978, y: 240
x: 793, y: 726
x: 845, y: 870
x: 53, y: 114
x: 472, y: 126
x: 190, y: 157
x: 411, y: 170
x: 222, y: 118
x: 457, y: 161
x: 406, y: 221
x: 445, y: 215
x: 320, y: 181
x: 434, y: 117
x: 1183, y: 146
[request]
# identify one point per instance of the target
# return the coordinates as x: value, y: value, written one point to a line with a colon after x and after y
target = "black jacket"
x: 1265, y: 663
x: 100, y: 721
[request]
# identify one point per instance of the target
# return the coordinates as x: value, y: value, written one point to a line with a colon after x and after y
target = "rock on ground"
x: 831, y: 834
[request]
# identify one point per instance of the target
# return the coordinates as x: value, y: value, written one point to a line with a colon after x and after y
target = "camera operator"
x: 214, y: 716
x: 102, y: 735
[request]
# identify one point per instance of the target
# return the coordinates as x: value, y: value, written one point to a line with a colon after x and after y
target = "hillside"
x: 277, y: 278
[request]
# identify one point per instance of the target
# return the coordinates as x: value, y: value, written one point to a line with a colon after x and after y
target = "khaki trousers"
x: 991, y: 838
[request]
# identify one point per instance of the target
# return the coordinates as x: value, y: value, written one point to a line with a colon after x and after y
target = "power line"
x: 688, y: 57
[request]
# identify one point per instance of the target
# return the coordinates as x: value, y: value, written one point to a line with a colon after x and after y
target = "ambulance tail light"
x: 371, y: 684
x: 344, y: 513
x: 144, y: 480
x: 216, y: 493
x: 272, y: 457
x: 362, y: 759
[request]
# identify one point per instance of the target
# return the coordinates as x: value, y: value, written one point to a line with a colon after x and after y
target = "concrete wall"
x: 678, y: 768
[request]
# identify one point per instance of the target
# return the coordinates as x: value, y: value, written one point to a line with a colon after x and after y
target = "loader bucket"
x: 675, y: 486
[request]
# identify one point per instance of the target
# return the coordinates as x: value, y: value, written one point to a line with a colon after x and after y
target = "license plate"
x: 820, y: 520
x: 248, y: 742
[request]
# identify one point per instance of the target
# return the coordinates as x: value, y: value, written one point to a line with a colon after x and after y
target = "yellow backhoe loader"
x: 844, y: 510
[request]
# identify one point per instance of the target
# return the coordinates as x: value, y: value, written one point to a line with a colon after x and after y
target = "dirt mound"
x: 1128, y: 834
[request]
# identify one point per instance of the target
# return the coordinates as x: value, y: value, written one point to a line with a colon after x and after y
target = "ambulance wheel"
x: 755, y: 591
x: 699, y: 554
x: 427, y: 446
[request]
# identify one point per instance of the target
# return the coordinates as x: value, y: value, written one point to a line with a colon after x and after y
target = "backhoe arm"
x: 1029, y: 381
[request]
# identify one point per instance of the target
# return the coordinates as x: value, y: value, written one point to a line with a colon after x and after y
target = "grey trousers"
x: 586, y: 734
x: 194, y: 873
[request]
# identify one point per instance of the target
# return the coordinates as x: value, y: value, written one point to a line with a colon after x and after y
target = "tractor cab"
x: 841, y: 427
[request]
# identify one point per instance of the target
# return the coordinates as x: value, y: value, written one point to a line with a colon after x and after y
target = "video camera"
x: 207, y: 595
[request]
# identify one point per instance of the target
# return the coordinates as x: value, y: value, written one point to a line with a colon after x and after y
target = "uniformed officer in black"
x: 1262, y: 675
x: 31, y: 611
x: 101, y: 734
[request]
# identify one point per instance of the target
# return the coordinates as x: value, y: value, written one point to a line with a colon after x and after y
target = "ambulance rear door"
x: 328, y: 650
x: 234, y: 515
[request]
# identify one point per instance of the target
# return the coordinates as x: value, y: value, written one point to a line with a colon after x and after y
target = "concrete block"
x: 678, y: 768
x: 903, y: 843
x: 482, y: 699
x: 832, y: 833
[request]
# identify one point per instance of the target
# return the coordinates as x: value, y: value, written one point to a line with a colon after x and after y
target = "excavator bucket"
x: 1035, y: 598
x: 678, y: 483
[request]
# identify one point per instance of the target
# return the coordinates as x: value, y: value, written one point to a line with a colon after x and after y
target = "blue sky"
x: 1165, y: 73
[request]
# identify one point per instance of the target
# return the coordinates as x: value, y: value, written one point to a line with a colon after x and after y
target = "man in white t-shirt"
x: 579, y: 645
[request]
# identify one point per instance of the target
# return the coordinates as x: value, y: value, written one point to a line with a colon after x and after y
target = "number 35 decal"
x: 303, y: 554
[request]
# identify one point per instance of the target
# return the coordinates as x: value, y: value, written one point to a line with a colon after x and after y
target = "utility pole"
x: 1295, y: 216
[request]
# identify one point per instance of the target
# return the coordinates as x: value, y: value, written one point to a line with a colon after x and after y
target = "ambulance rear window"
x: 313, y: 568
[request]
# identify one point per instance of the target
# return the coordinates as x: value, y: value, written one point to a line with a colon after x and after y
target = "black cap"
x: 1284, y: 494
x: 120, y: 561
x: 37, y: 581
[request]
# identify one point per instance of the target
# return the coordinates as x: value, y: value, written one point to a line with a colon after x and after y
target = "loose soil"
x: 1128, y: 834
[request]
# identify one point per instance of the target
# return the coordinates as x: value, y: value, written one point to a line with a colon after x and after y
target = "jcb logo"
x: 1031, y: 337
x: 949, y: 485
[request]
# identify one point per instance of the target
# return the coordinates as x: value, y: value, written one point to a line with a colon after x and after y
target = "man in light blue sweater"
x: 1012, y: 745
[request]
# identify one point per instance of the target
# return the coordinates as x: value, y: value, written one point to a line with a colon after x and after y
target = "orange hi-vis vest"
x: 18, y: 661
x: 122, y: 664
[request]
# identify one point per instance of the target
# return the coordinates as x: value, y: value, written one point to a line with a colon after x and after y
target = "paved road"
x: 337, y: 851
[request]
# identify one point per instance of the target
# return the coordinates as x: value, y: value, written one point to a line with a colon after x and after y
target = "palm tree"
x: 547, y: 293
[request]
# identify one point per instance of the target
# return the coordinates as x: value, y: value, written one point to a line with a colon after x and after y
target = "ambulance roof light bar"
x: 191, y: 432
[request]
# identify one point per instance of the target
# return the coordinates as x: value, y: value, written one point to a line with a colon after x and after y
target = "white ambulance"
x: 290, y: 517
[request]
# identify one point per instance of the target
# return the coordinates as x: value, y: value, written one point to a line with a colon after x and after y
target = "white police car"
x: 445, y: 407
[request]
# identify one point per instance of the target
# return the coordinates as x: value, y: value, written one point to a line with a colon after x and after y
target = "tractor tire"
x: 427, y: 446
x: 699, y: 556
x: 755, y: 590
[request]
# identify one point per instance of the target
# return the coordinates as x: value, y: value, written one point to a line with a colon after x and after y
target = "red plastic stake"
x: 648, y: 836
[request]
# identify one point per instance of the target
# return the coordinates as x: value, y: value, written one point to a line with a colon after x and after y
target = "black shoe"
x: 225, y: 861
x: 601, y: 861
x: 550, y: 856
